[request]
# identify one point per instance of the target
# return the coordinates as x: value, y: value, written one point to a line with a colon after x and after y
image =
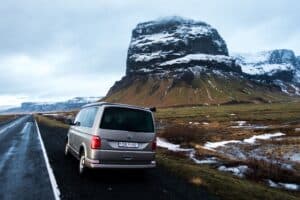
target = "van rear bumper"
x: 121, y: 159
x: 121, y: 166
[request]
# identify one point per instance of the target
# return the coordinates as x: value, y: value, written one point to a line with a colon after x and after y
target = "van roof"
x: 102, y: 103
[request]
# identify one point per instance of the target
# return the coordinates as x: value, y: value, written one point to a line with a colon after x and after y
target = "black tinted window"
x: 126, y: 119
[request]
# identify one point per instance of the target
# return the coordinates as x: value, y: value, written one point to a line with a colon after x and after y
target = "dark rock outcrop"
x: 156, y: 42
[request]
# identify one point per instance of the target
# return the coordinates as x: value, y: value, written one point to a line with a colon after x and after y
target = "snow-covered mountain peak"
x: 166, y: 39
x: 267, y: 62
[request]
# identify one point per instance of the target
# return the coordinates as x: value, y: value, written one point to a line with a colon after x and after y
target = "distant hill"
x: 176, y: 61
x: 35, y: 107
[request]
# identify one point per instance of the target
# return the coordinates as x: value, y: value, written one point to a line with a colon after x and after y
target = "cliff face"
x: 155, y: 43
x: 177, y: 61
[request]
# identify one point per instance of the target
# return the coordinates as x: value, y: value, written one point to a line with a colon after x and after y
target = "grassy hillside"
x: 275, y: 112
x: 206, y: 90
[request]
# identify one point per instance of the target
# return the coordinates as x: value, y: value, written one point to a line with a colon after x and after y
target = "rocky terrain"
x: 176, y: 61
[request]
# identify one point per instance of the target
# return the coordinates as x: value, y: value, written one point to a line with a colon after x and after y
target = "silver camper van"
x: 107, y: 135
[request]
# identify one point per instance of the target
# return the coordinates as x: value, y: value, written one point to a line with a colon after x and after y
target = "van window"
x: 126, y: 119
x: 79, y: 116
x: 90, y: 117
x: 86, y: 116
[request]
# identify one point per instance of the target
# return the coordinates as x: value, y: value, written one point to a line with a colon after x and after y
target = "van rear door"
x: 123, y: 128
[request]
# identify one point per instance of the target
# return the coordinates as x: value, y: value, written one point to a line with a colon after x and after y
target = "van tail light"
x: 153, y: 145
x: 96, y: 142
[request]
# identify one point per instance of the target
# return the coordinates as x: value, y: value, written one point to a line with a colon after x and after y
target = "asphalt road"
x: 23, y: 172
x: 112, y: 184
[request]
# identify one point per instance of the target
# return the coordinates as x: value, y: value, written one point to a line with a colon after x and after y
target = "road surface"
x: 23, y: 172
x: 112, y: 184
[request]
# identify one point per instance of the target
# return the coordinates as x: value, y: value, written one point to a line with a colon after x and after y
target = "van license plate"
x: 128, y: 144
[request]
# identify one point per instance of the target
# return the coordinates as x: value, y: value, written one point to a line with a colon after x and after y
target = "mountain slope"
x: 177, y: 61
x: 207, y: 89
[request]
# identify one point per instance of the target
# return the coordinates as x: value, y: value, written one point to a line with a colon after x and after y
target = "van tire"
x: 67, y: 153
x: 82, y: 167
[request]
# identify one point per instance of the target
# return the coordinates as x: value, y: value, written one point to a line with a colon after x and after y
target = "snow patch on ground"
x: 239, y: 171
x: 294, y: 157
x: 172, y: 147
x: 287, y: 186
x: 214, y: 145
x: 50, y: 114
x: 251, y: 140
x: 209, y: 160
x: 243, y: 124
x: 198, y: 123
x: 266, y: 136
x: 191, y: 152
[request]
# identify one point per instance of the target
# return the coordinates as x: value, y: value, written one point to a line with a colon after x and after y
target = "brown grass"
x: 223, y: 185
x: 271, y: 170
x: 4, y: 118
x: 185, y: 134
x: 50, y: 121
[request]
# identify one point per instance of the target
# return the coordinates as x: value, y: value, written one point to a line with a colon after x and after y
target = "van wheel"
x: 67, y: 149
x: 82, y: 167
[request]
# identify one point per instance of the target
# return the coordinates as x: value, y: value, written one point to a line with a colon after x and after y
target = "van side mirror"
x: 76, y: 123
x: 152, y: 109
x: 72, y: 123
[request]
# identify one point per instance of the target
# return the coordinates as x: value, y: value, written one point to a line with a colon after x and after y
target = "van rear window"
x: 126, y: 119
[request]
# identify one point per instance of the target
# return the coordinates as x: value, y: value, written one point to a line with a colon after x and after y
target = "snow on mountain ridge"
x: 267, y: 62
x: 199, y: 57
x: 182, y: 30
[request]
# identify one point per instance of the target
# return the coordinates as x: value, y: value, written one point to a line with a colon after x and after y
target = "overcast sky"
x: 58, y: 49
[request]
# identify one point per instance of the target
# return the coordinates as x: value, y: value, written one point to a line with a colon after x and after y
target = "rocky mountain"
x: 155, y: 43
x: 176, y: 61
x: 280, y: 66
x: 34, y: 107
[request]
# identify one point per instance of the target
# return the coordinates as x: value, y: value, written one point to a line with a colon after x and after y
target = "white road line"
x: 54, y: 185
